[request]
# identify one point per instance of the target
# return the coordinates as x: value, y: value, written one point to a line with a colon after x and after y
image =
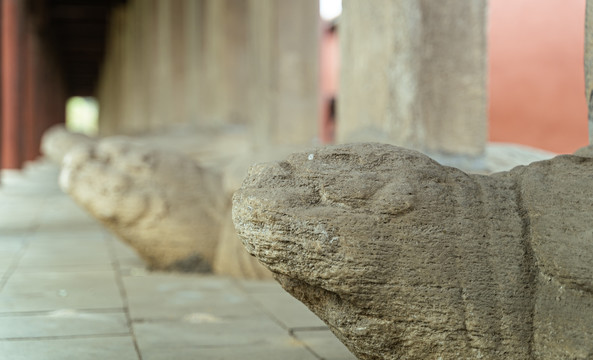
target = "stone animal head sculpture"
x: 405, y: 258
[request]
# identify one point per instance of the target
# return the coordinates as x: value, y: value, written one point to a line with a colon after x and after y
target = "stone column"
x: 132, y: 120
x: 194, y: 45
x: 413, y: 73
x: 110, y: 87
x: 177, y: 62
x: 146, y: 67
x: 161, y: 82
x: 226, y: 72
x: 589, y: 63
x: 284, y: 95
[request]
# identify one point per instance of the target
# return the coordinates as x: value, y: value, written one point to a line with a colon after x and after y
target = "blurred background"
x: 443, y: 77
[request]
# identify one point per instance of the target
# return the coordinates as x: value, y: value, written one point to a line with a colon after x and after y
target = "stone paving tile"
x: 258, y: 286
x: 324, y: 344
x: 127, y: 258
x: 286, y: 350
x: 93, y: 268
x: 55, y: 229
x: 174, y: 296
x: 116, y: 348
x: 10, y: 247
x: 253, y: 337
x: 63, y: 252
x: 288, y: 310
x: 75, y: 234
x: 54, y: 290
x: 61, y: 323
x: 69, y: 214
x: 17, y: 218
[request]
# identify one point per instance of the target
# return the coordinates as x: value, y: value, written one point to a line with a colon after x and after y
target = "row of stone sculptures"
x: 402, y: 257
x: 168, y: 196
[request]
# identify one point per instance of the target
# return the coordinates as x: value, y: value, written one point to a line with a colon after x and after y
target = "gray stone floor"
x: 70, y: 290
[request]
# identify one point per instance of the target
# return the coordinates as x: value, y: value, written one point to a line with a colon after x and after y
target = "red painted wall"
x: 536, y: 73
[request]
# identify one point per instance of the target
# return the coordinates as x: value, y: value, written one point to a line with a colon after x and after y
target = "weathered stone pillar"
x: 110, y: 88
x: 284, y: 95
x: 161, y: 82
x: 177, y: 62
x: 194, y: 46
x: 226, y: 69
x: 132, y: 120
x: 589, y: 63
x: 146, y: 66
x: 413, y: 73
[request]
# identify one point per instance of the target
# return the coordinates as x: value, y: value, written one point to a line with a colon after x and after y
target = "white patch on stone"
x: 201, y: 318
x: 64, y: 313
x: 311, y: 156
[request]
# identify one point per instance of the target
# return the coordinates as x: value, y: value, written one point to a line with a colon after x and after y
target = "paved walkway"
x: 70, y: 290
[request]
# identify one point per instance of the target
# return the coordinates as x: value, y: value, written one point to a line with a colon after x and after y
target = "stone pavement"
x: 70, y: 290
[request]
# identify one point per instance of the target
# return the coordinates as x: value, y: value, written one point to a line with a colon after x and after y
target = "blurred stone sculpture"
x: 57, y: 141
x: 160, y: 202
x: 173, y: 211
x: 406, y: 259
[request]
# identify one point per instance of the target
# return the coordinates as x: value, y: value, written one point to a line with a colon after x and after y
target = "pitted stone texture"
x: 585, y: 151
x: 406, y: 259
x: 231, y: 257
x: 161, y: 203
x: 57, y: 141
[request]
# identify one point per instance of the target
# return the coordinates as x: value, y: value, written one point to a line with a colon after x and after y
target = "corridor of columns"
x: 215, y: 86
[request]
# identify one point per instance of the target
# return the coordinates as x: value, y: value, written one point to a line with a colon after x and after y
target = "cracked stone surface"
x: 406, y: 259
x: 160, y: 202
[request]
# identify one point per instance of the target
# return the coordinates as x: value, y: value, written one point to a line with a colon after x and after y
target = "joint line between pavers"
x: 307, y: 328
x: 274, y: 318
x: 49, y: 312
x: 66, y: 337
x: 26, y: 242
x: 16, y: 260
x: 122, y: 290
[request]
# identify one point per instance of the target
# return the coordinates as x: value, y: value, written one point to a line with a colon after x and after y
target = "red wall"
x: 536, y: 73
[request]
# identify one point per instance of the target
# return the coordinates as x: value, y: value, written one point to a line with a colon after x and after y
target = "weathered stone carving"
x: 231, y: 258
x: 160, y: 202
x: 406, y: 259
x: 57, y: 141
x: 174, y: 212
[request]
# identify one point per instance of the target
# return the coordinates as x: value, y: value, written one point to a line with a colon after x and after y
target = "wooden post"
x: 12, y: 151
